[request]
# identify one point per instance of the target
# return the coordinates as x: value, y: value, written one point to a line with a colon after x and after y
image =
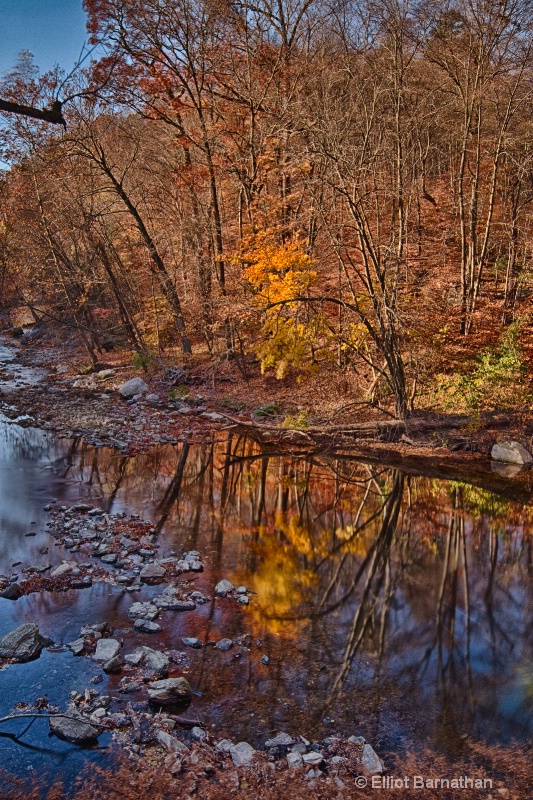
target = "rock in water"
x: 11, y: 592
x: 133, y: 387
x: 62, y: 569
x: 106, y: 649
x: 192, y: 641
x: 152, y: 573
x: 224, y: 644
x: 24, y: 643
x: 114, y: 666
x: 511, y: 452
x: 73, y: 730
x: 154, y: 662
x: 169, y: 691
x: 146, y: 626
x: 223, y: 588
x: 242, y: 754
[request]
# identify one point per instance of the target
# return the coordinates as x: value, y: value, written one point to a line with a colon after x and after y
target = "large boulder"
x: 73, y: 730
x: 133, y: 387
x: 24, y: 643
x: 169, y: 691
x: 511, y: 452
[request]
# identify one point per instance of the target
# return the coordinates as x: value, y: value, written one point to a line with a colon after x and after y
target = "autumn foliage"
x: 300, y: 189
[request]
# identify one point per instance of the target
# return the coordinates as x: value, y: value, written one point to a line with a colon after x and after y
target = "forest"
x: 335, y: 195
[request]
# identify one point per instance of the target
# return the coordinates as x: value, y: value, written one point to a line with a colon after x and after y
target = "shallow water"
x: 394, y: 606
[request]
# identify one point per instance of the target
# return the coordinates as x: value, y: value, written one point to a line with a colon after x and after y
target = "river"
x: 389, y: 605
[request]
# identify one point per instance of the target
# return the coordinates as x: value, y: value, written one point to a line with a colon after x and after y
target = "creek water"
x: 397, y: 607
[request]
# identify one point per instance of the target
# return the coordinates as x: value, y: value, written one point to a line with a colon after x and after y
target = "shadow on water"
x: 393, y: 605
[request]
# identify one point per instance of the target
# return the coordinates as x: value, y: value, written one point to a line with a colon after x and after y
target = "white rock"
x: 133, y: 387
x: 511, y: 452
x: 242, y: 754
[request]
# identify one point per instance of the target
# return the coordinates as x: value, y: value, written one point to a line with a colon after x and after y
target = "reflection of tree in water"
x: 414, y: 588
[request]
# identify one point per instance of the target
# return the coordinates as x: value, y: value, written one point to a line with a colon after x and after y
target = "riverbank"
x: 187, y: 405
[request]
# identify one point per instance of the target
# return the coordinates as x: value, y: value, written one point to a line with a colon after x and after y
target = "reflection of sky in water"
x: 440, y: 650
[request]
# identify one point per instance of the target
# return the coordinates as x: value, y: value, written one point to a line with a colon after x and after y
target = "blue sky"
x: 54, y: 31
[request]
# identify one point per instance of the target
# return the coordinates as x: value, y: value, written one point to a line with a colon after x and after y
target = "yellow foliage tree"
x: 280, y: 276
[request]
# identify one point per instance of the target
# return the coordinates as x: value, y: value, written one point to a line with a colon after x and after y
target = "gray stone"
x: 265, y: 660
x: 169, y: 691
x: 154, y: 661
x: 24, y: 643
x: 152, y: 398
x: 143, y: 611
x: 77, y: 647
x: 152, y: 573
x: 224, y: 644
x: 312, y: 759
x: 62, y: 569
x: 370, y: 761
x: 224, y: 746
x: 191, y: 641
x: 243, y: 600
x: 133, y: 387
x: 170, y: 743
x: 281, y: 740
x: 114, y: 665
x: 106, y: 649
x: 198, y: 734
x: 299, y: 747
x: 11, y: 592
x: 294, y: 760
x: 242, y: 754
x: 73, y: 730
x: 358, y: 740
x: 511, y: 452
x: 146, y: 626
x: 213, y: 416
x: 223, y: 588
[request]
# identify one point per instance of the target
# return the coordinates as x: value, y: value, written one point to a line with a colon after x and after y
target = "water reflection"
x: 394, y: 605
